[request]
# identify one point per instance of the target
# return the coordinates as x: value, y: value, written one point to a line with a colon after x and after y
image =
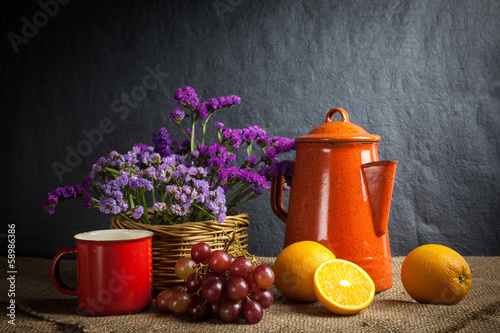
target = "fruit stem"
x: 462, y: 278
x: 238, y: 247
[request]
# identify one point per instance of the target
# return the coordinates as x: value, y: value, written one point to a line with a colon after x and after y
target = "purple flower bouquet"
x: 174, y: 181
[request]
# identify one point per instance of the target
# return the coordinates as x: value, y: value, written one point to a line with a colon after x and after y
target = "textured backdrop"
x: 424, y: 75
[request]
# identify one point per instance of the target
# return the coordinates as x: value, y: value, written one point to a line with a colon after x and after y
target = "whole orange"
x: 294, y: 269
x: 436, y: 274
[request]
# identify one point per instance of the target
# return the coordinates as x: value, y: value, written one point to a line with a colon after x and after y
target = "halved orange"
x: 343, y: 287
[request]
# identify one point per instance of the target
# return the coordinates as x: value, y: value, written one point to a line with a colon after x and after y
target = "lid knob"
x: 343, y: 113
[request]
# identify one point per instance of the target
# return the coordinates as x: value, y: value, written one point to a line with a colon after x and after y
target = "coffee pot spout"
x: 379, y: 180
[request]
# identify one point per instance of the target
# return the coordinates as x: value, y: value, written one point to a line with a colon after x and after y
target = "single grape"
x: 241, y: 267
x: 264, y: 297
x: 251, y: 281
x: 197, y: 310
x: 179, y: 302
x: 193, y: 283
x: 213, y: 290
x: 219, y: 261
x: 230, y: 311
x: 213, y: 309
x: 200, y: 252
x: 161, y: 300
x: 263, y: 276
x: 237, y: 288
x: 252, y: 312
x: 184, y: 267
x: 209, y: 276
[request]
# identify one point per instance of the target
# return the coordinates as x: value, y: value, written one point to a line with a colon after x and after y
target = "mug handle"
x: 56, y: 278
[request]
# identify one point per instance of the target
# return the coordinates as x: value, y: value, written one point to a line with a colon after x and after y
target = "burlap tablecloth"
x: 41, y: 308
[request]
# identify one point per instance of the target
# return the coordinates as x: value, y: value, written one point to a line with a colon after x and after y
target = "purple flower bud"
x: 137, y: 212
x: 177, y: 115
x: 219, y: 125
x: 186, y: 96
x: 87, y: 201
x: 213, y: 104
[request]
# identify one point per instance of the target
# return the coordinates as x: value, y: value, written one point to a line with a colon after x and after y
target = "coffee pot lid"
x: 338, y: 131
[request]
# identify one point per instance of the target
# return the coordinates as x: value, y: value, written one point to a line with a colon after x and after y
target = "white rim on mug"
x: 113, y: 235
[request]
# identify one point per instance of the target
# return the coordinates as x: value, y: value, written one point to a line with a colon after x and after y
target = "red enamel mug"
x: 114, y: 271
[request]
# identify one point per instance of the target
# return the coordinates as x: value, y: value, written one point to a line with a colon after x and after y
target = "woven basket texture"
x: 172, y: 242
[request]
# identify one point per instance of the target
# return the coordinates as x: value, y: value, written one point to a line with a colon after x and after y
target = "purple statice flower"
x: 186, y: 96
x: 160, y: 207
x: 232, y: 171
x: 163, y: 144
x: 87, y: 201
x: 232, y: 100
x: 137, y: 212
x: 49, y: 209
x: 141, y: 146
x: 180, y: 172
x: 270, y: 154
x: 87, y: 182
x: 196, y: 173
x: 164, y: 172
x: 108, y: 205
x: 66, y: 192
x: 219, y: 125
x: 177, y: 115
x: 278, y: 168
x: 250, y: 161
x: 256, y: 191
x: 203, y: 111
x: 218, y: 155
x: 202, y: 187
x: 216, y: 203
x: 178, y: 209
x: 213, y: 104
x: 263, y: 141
x: 222, y: 173
x: 222, y: 101
x: 283, y: 145
x: 52, y: 199
x: 149, y: 172
x: 233, y: 136
x: 136, y: 183
x: 251, y: 177
x: 252, y: 133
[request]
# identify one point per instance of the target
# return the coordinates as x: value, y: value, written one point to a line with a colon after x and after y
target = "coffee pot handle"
x: 277, y: 197
x: 56, y: 277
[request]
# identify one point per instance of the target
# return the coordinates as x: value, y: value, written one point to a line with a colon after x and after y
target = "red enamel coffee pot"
x: 341, y: 196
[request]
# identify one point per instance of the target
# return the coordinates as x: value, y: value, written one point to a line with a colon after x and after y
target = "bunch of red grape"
x: 219, y: 286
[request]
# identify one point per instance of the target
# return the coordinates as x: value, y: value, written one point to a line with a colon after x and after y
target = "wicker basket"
x: 172, y: 242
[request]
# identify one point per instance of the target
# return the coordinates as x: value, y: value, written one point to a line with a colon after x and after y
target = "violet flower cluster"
x: 189, y: 180
x: 240, y: 182
x: 143, y: 186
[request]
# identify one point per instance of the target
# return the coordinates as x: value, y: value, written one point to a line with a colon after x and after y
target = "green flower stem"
x: 238, y: 192
x: 125, y: 217
x: 182, y: 130
x: 249, y: 148
x: 204, y: 210
x: 155, y: 218
x: 240, y: 204
x: 193, y: 140
x: 112, y: 170
x: 165, y: 218
x: 130, y: 201
x: 234, y: 202
x: 145, y: 205
x: 204, y: 130
x: 153, y: 194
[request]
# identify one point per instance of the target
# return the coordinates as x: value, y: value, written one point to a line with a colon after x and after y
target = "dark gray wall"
x: 425, y: 75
